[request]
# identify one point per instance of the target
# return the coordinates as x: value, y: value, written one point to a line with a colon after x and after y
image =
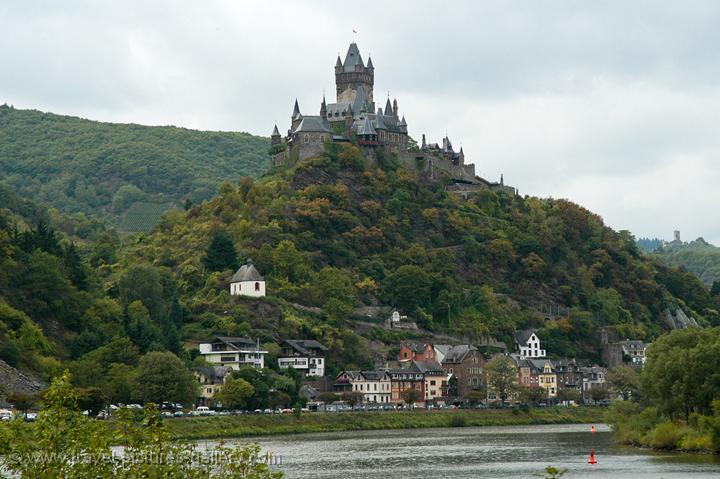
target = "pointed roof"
x: 275, y: 132
x: 338, y: 63
x: 296, y: 110
x: 370, y: 65
x: 402, y: 122
x: 360, y: 102
x: 312, y: 124
x: 366, y: 128
x: 247, y: 272
x: 352, y: 58
x: 379, y: 122
x: 388, y: 108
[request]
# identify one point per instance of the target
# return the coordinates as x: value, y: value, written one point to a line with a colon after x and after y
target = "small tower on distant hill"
x: 275, y: 137
x: 247, y: 281
x: 676, y: 236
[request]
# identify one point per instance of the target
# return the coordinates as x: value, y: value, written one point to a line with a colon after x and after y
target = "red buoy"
x: 592, y: 429
x: 592, y: 458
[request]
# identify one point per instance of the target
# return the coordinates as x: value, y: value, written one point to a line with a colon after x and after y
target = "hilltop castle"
x: 353, y: 117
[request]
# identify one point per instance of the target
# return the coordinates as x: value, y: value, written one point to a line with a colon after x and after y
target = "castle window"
x: 307, y: 138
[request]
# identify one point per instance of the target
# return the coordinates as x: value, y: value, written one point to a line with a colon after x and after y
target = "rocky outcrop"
x: 679, y: 320
x: 14, y: 381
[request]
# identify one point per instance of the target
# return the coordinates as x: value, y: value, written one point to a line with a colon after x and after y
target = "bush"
x: 10, y: 353
x: 457, y: 421
x: 666, y: 435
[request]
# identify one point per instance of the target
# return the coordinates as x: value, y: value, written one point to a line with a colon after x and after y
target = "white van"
x: 203, y: 411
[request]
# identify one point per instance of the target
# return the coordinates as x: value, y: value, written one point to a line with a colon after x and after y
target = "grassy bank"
x: 648, y: 428
x: 256, y: 425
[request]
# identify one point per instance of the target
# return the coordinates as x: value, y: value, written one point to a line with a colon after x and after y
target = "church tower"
x: 352, y: 75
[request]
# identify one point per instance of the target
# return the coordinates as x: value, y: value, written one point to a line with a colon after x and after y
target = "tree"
x: 161, y: 376
x: 502, y: 377
x: 22, y: 402
x: 235, y: 393
x: 411, y: 396
x: 625, y: 381
x: 91, y: 399
x: 599, y: 393
x: 408, y: 287
x: 532, y: 396
x: 327, y: 397
x: 568, y: 394
x: 75, y: 268
x: 352, y: 398
x: 220, y: 254
x: 176, y: 316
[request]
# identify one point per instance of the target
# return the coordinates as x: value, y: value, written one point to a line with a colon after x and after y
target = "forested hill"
x: 332, y: 236
x: 124, y: 174
x: 336, y: 234
x: 698, y: 257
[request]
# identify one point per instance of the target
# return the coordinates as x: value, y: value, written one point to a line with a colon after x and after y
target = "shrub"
x: 666, y: 435
x: 457, y: 421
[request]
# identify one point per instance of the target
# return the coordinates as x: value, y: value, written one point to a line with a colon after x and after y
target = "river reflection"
x: 469, y: 453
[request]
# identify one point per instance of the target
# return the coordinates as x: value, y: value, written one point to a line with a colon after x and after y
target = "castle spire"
x: 296, y: 110
x: 502, y: 180
x: 338, y: 63
x: 395, y: 107
x: 323, y: 109
x: 388, y: 108
x: 275, y: 132
x: 370, y: 65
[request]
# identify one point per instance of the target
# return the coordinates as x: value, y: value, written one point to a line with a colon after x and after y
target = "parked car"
x: 30, y: 417
x: 178, y: 414
x: 203, y: 411
x: 5, y: 415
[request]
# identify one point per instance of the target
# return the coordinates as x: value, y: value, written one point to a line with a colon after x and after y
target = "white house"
x: 247, y: 281
x: 233, y: 352
x: 375, y: 386
x: 305, y: 355
x: 528, y: 345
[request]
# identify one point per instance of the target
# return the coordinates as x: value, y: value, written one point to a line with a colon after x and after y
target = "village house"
x: 635, y: 350
x: 233, y: 352
x: 569, y: 375
x: 416, y: 352
x: 247, y: 281
x: 593, y: 377
x: 466, y: 364
x: 528, y: 345
x: 305, y: 355
x: 435, y: 381
x: 375, y: 386
x: 211, y: 379
x: 404, y: 379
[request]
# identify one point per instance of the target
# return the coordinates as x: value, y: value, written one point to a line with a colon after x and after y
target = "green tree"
x: 408, y: 287
x: 411, y: 396
x: 625, y: 381
x: 235, y: 393
x: 352, y: 398
x: 502, y: 377
x: 21, y: 401
x: 220, y: 254
x: 161, y: 376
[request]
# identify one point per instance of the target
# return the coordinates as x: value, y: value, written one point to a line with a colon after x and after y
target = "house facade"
x: 528, y: 345
x: 247, y: 281
x: 416, y: 352
x: 375, y: 386
x: 305, y: 355
x: 404, y: 379
x: 211, y: 380
x: 233, y: 352
x: 467, y: 365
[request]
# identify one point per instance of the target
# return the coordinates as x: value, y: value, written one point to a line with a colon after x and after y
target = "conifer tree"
x: 221, y: 254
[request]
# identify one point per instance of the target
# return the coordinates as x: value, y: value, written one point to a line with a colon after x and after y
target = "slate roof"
x: 234, y: 342
x: 303, y: 346
x: 352, y: 58
x: 428, y: 366
x: 457, y: 353
x: 374, y: 375
x: 296, y: 110
x: 275, y: 131
x: 366, y: 128
x: 314, y: 124
x: 521, y: 337
x: 214, y: 373
x: 247, y: 272
x: 388, y: 108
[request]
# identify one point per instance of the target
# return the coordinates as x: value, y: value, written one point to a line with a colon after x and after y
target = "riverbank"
x: 271, y: 424
x: 648, y: 428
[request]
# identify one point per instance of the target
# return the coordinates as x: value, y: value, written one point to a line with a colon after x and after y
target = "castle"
x: 353, y: 118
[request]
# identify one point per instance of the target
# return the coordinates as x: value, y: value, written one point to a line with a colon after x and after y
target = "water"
x: 484, y: 452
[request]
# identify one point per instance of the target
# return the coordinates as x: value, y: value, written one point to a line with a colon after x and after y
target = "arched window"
x: 307, y: 138
x: 257, y: 286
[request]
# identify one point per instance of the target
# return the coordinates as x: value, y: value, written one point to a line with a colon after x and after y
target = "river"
x: 477, y: 452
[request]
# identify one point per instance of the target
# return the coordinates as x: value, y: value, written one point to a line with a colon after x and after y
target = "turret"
x: 403, y: 125
x: 424, y: 143
x: 388, y: 108
x: 296, y: 116
x: 395, y: 108
x: 275, y: 137
x: 323, y: 109
x: 352, y: 75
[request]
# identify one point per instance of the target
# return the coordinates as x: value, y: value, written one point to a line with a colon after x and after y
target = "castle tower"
x: 352, y: 75
x: 323, y: 109
x: 275, y: 137
x: 296, y: 116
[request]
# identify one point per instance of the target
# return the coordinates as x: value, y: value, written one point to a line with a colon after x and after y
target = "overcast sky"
x: 614, y: 105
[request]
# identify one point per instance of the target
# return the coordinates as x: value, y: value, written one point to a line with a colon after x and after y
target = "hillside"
x: 336, y: 240
x: 124, y: 174
x: 698, y: 257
